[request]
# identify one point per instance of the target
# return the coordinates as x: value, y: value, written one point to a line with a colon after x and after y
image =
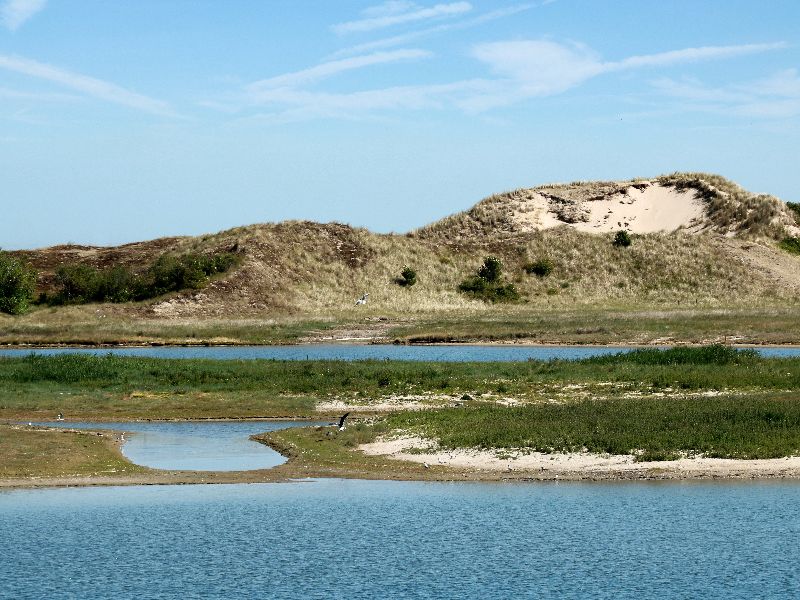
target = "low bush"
x: 80, y: 284
x: 408, y: 277
x: 491, y: 270
x: 541, y: 267
x: 791, y: 244
x: 17, y: 281
x: 622, y: 239
x: 479, y: 288
x: 795, y: 208
x: 488, y: 285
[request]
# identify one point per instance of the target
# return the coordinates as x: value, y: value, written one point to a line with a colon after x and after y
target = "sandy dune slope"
x: 639, y: 208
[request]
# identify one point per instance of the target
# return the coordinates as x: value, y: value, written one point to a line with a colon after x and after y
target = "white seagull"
x: 362, y: 300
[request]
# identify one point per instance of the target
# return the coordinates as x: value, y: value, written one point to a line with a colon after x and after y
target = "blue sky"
x: 122, y: 121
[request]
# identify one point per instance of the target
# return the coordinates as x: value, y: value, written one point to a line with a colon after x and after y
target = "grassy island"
x: 713, y: 402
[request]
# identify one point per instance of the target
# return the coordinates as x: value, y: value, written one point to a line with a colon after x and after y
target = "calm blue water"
x: 456, y: 353
x: 195, y: 445
x: 364, y: 539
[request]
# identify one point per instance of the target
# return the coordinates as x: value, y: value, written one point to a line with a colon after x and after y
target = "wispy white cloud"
x: 89, y: 86
x: 389, y: 8
x: 294, y: 104
x: 12, y: 94
x: 329, y: 69
x: 520, y: 70
x: 777, y: 96
x: 393, y: 13
x: 544, y: 68
x: 399, y: 40
x: 13, y: 13
x: 688, y: 55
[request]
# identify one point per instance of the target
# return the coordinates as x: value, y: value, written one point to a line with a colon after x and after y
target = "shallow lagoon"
x: 195, y: 445
x: 376, y: 539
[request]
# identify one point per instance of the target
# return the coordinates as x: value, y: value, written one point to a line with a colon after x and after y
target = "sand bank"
x: 582, y: 465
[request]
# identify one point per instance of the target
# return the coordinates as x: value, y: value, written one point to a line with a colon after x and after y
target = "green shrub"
x: 480, y: 289
x: 541, y: 267
x: 622, y: 239
x: 17, y: 281
x: 491, y: 270
x: 80, y: 284
x: 117, y: 284
x: 716, y: 354
x: 795, y: 208
x: 791, y: 244
x: 487, y: 285
x: 172, y: 273
x: 408, y: 277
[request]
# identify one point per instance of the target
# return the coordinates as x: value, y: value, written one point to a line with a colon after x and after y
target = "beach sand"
x: 578, y: 465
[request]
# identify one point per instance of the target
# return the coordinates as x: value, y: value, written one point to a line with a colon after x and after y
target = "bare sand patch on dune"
x: 639, y: 208
x: 644, y: 210
x: 577, y: 464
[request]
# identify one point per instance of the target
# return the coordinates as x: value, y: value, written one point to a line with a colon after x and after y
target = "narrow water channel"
x: 443, y: 353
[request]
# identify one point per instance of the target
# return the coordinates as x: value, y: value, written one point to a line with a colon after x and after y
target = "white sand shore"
x: 578, y: 465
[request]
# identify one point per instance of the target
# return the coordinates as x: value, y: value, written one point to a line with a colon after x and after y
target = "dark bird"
x: 60, y: 417
x: 341, y: 421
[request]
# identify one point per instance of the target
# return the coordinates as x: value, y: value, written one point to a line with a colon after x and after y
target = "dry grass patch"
x: 30, y: 452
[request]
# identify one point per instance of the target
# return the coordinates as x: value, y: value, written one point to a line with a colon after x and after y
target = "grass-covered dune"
x: 730, y: 272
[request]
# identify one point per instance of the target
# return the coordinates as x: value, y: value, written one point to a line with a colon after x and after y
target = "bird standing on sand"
x: 362, y: 300
x: 60, y: 417
x: 341, y: 421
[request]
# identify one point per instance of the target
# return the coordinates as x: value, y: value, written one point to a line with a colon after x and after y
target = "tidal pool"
x: 195, y: 445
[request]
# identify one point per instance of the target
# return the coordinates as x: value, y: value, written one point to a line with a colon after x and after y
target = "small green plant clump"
x: 791, y: 244
x: 795, y: 208
x: 622, y: 239
x: 17, y: 281
x: 81, y: 284
x: 541, y: 267
x: 491, y: 270
x: 488, y: 284
x: 408, y: 277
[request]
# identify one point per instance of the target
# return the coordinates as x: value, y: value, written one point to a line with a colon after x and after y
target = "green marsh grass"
x: 652, y: 429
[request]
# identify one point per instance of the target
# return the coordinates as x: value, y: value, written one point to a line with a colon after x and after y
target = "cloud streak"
x: 329, y: 69
x: 399, y: 13
x: 96, y: 88
x: 777, y: 96
x: 398, y: 40
x: 518, y: 70
x: 544, y: 68
x: 13, y: 13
